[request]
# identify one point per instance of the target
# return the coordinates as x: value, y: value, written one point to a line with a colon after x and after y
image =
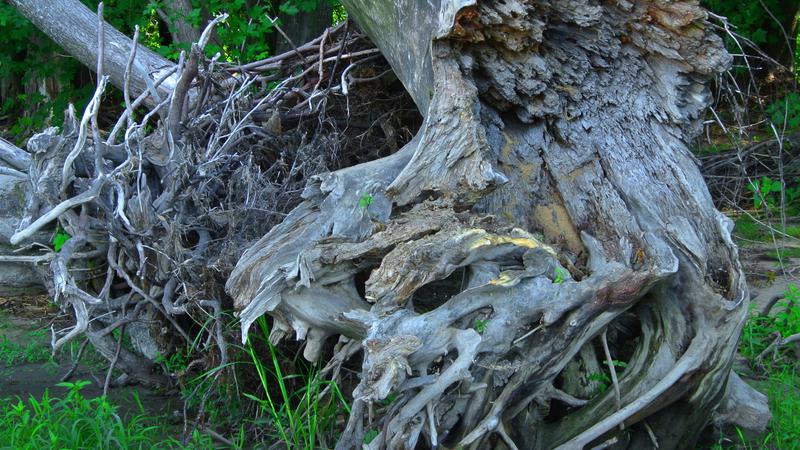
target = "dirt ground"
x: 767, y: 276
x: 25, y: 323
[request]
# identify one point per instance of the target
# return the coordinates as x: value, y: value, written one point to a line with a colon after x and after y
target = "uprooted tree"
x: 546, y: 224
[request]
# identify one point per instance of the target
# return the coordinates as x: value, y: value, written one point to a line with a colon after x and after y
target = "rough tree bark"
x: 174, y: 14
x: 551, y: 195
x: 16, y: 277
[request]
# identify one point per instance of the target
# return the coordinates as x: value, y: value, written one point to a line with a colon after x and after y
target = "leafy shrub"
x: 767, y: 194
x: 786, y: 111
x: 752, y: 20
x: 760, y: 331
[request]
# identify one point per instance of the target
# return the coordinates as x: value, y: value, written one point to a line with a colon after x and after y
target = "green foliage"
x: 28, y: 56
x: 240, y: 38
x: 77, y: 422
x: 783, y: 391
x: 767, y: 194
x: 752, y: 20
x: 370, y: 435
x: 782, y: 371
x: 175, y: 363
x: 793, y: 231
x: 480, y: 325
x: 34, y: 351
x: 787, y: 320
x: 339, y: 13
x: 759, y: 331
x: 388, y: 400
x: 786, y: 111
x: 784, y: 253
x: 301, y: 414
x: 561, y: 275
x: 60, y: 237
x: 747, y: 228
x: 365, y: 201
x: 603, y: 381
x: 764, y: 192
x: 618, y: 364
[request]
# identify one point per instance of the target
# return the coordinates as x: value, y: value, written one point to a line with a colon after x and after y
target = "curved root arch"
x: 552, y: 173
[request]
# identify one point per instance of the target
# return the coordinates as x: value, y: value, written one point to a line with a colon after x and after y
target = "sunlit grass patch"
x: 76, y: 422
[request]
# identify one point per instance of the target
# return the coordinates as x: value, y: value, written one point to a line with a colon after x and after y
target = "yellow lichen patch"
x: 505, y: 152
x: 505, y: 279
x: 526, y: 170
x: 675, y: 16
x: 520, y: 239
x: 557, y: 226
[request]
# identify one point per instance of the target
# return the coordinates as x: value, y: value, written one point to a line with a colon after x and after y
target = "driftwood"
x: 156, y: 219
x: 546, y: 221
x: 565, y: 119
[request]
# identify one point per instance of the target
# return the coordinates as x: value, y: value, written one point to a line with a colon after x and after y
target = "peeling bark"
x: 552, y: 170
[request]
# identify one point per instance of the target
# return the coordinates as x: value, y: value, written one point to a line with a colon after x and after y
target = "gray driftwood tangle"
x: 552, y: 172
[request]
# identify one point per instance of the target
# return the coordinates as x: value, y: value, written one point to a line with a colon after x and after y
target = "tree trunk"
x: 174, y: 14
x: 551, y: 199
x: 303, y: 26
x: 75, y: 28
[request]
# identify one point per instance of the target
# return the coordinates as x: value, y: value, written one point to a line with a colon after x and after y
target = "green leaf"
x: 59, y: 239
x: 560, y: 276
x: 370, y: 435
x: 480, y: 325
x: 365, y: 201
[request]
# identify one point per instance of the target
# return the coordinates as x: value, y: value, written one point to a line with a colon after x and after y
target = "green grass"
x: 784, y: 253
x: 748, y: 229
x: 34, y: 351
x: 75, y: 422
x: 783, y: 390
x: 712, y: 148
x: 793, y: 231
x: 299, y: 414
x: 780, y: 372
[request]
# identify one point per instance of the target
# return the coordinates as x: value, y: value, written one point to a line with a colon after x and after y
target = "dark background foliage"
x: 38, y: 80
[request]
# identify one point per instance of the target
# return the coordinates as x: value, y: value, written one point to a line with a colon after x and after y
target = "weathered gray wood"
x: 17, y: 275
x: 403, y: 30
x: 14, y: 156
x: 564, y: 119
x: 743, y: 407
x: 551, y: 172
x: 75, y: 28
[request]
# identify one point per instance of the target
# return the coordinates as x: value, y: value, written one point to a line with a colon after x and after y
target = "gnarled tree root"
x: 550, y: 199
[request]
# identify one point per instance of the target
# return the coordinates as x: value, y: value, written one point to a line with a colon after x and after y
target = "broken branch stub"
x: 550, y: 193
